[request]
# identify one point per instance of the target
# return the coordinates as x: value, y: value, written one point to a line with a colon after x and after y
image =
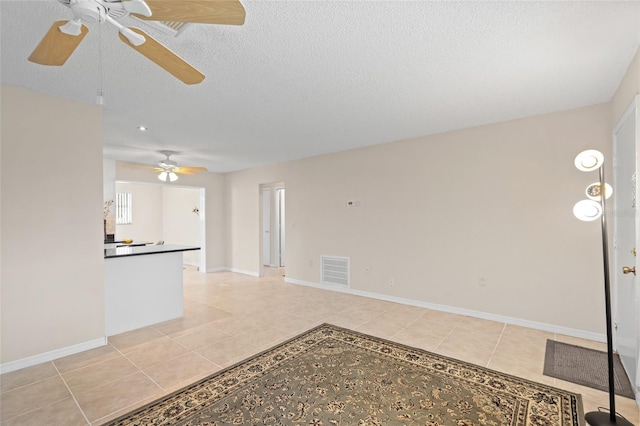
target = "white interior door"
x: 625, y: 242
x: 266, y: 227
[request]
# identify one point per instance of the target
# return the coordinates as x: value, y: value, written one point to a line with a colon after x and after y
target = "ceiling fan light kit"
x: 164, y: 176
x: 64, y: 37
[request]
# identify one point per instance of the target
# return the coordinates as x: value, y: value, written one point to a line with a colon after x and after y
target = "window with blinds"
x: 123, y: 208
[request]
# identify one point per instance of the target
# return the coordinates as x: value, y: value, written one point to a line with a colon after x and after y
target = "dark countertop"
x: 143, y: 250
x: 123, y: 244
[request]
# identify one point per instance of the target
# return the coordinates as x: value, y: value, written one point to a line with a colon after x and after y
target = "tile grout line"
x: 73, y: 370
x: 129, y: 408
x: 47, y: 405
x: 163, y: 390
x: 190, y: 351
x: 495, y: 348
x: 448, y: 334
x: 160, y: 389
x: 26, y: 385
x: 141, y: 371
x: 410, y: 322
x: 71, y: 393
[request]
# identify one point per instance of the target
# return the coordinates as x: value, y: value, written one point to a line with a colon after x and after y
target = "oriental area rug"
x: 334, y: 376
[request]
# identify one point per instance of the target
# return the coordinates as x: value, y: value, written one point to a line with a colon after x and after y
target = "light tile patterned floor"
x: 229, y: 317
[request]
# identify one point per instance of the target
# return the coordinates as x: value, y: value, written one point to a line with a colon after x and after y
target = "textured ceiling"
x: 302, y: 78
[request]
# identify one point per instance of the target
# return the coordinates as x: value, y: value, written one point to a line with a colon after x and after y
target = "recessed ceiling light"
x: 142, y: 128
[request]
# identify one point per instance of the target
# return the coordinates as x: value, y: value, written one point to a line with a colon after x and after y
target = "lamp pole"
x: 601, y: 418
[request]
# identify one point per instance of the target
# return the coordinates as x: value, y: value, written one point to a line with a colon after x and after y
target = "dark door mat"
x: 584, y: 366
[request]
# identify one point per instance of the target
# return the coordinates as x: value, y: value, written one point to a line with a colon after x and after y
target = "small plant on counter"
x: 105, y: 208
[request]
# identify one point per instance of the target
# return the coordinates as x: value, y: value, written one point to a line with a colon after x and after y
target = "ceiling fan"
x: 64, y: 36
x: 169, y: 169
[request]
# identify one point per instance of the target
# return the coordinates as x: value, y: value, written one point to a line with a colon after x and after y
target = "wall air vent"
x: 335, y: 271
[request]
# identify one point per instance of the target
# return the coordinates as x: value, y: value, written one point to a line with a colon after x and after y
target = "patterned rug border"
x: 577, y: 409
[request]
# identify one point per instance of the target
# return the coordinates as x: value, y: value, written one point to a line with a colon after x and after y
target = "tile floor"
x: 229, y: 317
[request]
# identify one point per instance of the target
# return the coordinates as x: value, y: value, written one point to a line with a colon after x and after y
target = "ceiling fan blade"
x: 56, y: 46
x: 182, y: 171
x: 193, y: 170
x: 165, y: 58
x: 227, y: 12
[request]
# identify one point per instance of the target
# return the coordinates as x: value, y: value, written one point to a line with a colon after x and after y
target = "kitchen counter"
x: 139, y: 250
x: 143, y: 286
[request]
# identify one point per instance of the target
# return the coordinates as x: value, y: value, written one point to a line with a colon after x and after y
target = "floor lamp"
x: 588, y: 210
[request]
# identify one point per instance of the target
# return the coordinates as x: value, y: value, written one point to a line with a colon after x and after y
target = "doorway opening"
x: 166, y: 213
x: 272, y: 228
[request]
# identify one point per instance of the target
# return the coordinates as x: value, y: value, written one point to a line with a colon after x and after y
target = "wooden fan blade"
x: 165, y: 58
x: 227, y: 12
x: 182, y: 171
x: 56, y: 46
x: 191, y: 169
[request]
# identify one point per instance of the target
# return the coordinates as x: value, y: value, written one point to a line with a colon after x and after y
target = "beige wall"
x: 146, y: 223
x: 180, y: 225
x: 629, y: 87
x: 213, y: 210
x: 437, y: 213
x: 52, y: 258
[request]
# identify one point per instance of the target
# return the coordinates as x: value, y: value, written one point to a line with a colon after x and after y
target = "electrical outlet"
x: 367, y: 269
x: 391, y: 282
x: 482, y: 282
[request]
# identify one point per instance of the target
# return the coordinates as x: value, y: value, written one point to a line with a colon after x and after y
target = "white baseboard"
x: 217, y: 269
x: 51, y: 355
x: 237, y: 271
x: 589, y: 335
x: 244, y: 272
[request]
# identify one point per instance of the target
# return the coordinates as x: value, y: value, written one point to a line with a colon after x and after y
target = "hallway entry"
x: 272, y: 226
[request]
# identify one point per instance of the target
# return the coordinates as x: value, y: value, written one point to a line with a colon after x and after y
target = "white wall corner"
x: 217, y: 269
x: 237, y: 271
x: 243, y: 271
